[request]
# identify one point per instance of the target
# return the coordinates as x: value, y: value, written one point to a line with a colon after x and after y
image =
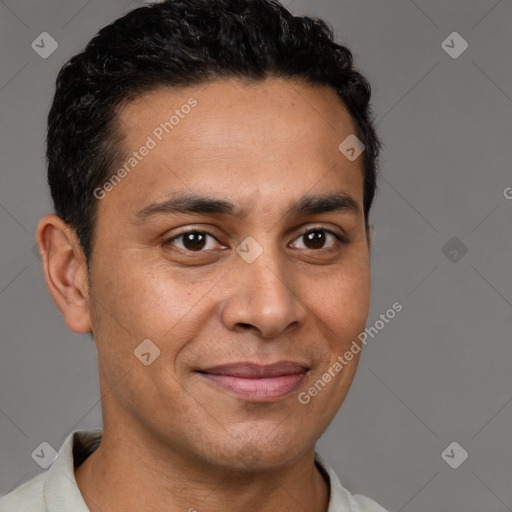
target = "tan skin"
x: 172, y: 440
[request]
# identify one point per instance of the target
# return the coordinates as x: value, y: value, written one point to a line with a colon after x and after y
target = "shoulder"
x: 55, y: 490
x: 342, y: 500
x: 361, y: 503
x: 28, y: 497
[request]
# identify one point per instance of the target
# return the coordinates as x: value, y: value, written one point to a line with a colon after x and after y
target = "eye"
x: 316, y: 239
x: 194, y: 241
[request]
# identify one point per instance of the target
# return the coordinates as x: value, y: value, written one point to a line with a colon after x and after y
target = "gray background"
x: 437, y: 373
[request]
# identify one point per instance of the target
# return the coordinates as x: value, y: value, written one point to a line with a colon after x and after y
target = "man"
x: 212, y: 165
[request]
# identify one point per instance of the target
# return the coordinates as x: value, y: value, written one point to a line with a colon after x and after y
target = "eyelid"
x: 169, y: 240
x: 340, y: 237
x: 307, y: 229
x: 335, y: 245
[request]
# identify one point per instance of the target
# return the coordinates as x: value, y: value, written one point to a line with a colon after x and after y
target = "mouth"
x: 255, y: 382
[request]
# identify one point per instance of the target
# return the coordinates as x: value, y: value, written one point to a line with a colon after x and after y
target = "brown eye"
x: 194, y: 241
x: 316, y: 239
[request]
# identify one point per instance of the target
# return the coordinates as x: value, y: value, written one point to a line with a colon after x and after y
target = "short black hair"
x: 179, y: 43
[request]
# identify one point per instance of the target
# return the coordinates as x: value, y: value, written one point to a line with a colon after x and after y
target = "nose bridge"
x: 263, y: 294
x: 271, y: 284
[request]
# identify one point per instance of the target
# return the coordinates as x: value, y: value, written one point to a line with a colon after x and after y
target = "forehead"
x: 262, y: 139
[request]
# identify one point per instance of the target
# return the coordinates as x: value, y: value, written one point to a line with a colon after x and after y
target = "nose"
x: 263, y: 297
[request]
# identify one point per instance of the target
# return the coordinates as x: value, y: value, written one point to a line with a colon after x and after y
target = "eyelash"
x: 188, y: 232
x: 339, y: 238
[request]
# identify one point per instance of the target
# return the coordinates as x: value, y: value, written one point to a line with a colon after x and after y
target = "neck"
x: 159, y: 478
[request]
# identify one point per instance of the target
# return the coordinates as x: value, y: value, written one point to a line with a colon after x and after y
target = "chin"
x: 250, y: 453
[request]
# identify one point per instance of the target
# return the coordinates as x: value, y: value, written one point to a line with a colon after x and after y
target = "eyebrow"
x: 325, y: 203
x: 195, y: 204
x: 189, y: 204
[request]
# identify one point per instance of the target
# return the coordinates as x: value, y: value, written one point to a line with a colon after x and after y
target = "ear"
x: 65, y: 271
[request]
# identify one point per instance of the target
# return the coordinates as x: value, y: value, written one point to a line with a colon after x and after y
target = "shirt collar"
x: 61, y: 491
x: 338, y: 500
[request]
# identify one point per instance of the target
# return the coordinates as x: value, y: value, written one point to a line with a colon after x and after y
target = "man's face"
x: 259, y: 161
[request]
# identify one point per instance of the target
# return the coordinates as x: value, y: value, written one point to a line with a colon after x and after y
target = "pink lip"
x: 256, y: 382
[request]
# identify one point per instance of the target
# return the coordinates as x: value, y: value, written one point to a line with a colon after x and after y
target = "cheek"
x: 136, y: 300
x: 146, y: 301
x: 342, y: 302
x: 341, y: 306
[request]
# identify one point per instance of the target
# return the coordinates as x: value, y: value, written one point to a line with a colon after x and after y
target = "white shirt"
x: 56, y: 490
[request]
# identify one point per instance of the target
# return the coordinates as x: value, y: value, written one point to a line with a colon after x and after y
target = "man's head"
x: 235, y: 239
x: 183, y: 43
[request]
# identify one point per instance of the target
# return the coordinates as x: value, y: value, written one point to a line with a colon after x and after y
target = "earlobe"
x: 65, y: 271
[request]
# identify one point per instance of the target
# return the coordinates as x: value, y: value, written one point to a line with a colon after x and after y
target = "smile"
x: 255, y: 382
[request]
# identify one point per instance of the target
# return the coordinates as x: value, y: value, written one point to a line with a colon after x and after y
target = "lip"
x: 256, y: 382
